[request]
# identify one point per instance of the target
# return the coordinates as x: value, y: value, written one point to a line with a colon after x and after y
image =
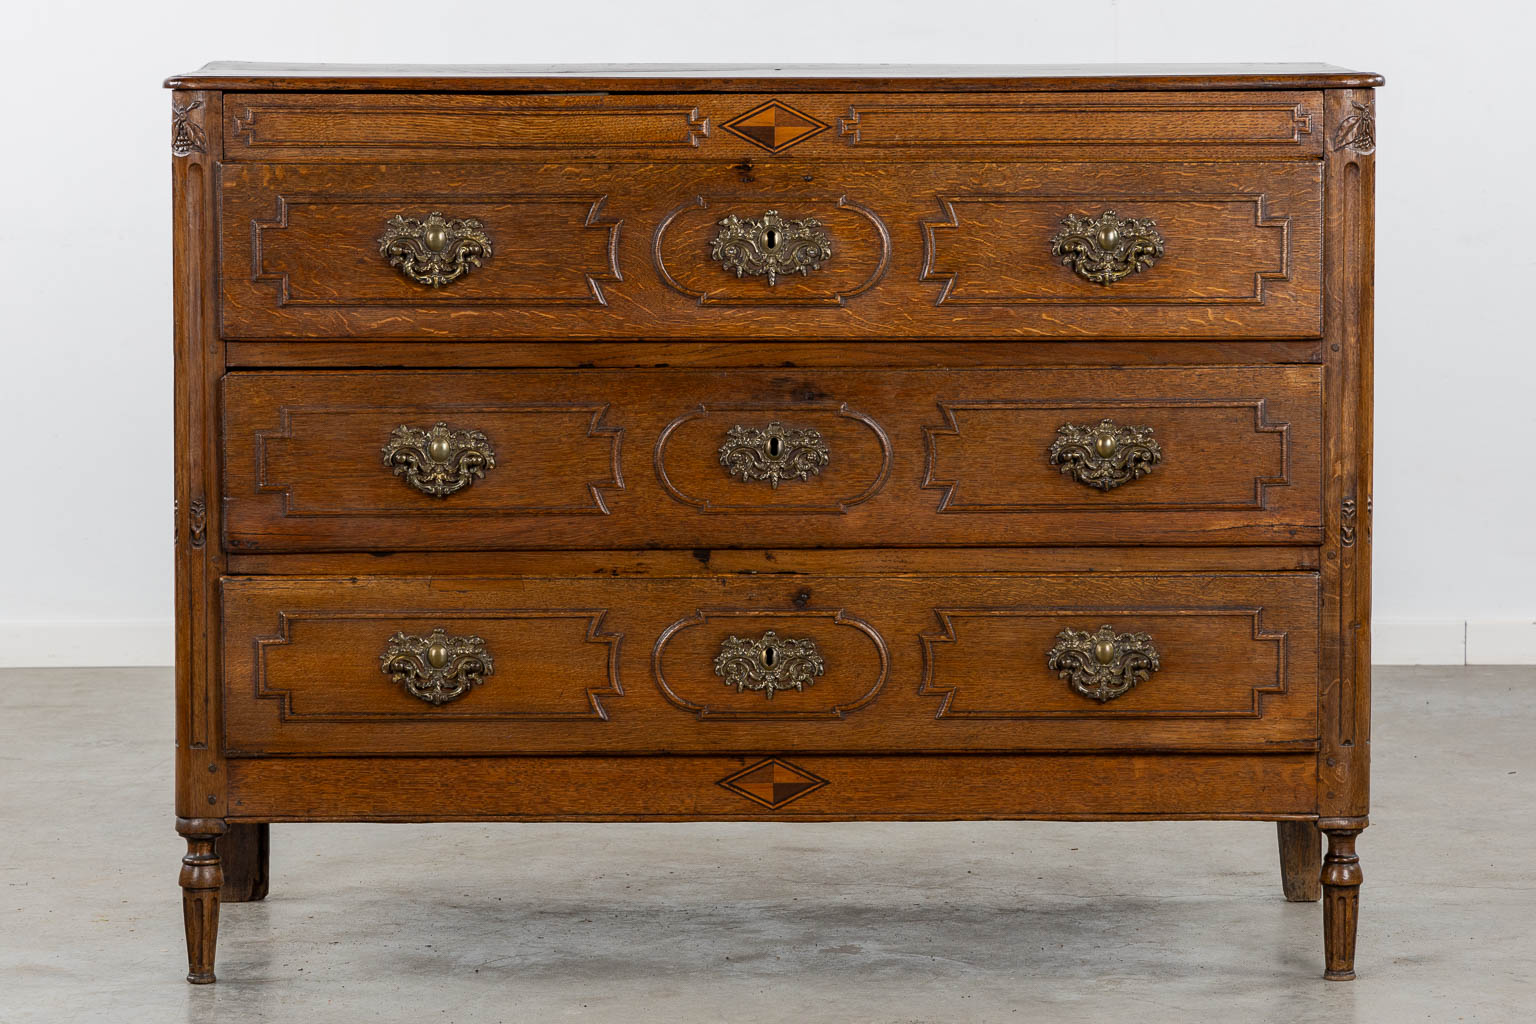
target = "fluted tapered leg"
x: 1341, y: 878
x: 1301, y: 861
x: 201, y: 880
x: 243, y: 854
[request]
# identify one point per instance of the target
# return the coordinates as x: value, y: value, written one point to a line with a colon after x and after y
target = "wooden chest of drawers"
x: 855, y: 443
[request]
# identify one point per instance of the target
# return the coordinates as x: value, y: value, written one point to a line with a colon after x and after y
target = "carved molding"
x: 1048, y: 293
x: 596, y: 503
x: 933, y: 479
x: 945, y: 125
x: 767, y: 296
x: 187, y: 136
x: 261, y: 126
x: 728, y: 414
x: 808, y: 703
x: 932, y: 685
x: 592, y: 633
x: 593, y: 279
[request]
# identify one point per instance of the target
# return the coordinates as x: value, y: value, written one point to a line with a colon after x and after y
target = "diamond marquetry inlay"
x: 772, y: 783
x: 775, y: 126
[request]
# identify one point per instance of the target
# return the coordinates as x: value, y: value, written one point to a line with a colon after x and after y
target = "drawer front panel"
x: 977, y: 248
x: 840, y: 126
x: 770, y: 458
x: 753, y: 663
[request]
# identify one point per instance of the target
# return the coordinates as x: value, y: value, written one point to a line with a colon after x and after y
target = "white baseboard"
x: 87, y: 643
x: 114, y: 642
x: 1453, y: 642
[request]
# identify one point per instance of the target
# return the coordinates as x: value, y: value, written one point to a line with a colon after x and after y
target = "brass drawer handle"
x: 437, y: 668
x: 771, y: 246
x: 773, y: 453
x: 1105, y: 456
x: 434, y: 250
x: 1101, y: 666
x: 438, y: 461
x: 769, y: 663
x: 1108, y: 247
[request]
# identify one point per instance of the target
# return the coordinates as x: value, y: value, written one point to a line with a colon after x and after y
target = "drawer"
x: 436, y: 128
x: 978, y: 248
x: 736, y: 664
x: 343, y: 461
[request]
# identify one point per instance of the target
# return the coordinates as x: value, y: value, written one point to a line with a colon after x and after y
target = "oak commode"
x: 772, y: 444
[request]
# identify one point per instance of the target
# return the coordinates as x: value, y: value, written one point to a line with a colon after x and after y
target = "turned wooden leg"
x: 1341, y: 903
x: 201, y: 880
x: 243, y: 853
x: 1301, y: 860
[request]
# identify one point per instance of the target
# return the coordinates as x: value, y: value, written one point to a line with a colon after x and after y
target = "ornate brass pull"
x: 437, y: 668
x: 434, y: 250
x: 771, y: 246
x: 1105, y: 456
x: 1106, y: 248
x: 438, y: 461
x: 773, y: 453
x: 769, y: 663
x: 1101, y: 666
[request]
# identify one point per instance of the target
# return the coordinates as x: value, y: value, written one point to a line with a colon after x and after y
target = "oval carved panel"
x: 689, y: 466
x: 853, y: 663
x: 859, y: 241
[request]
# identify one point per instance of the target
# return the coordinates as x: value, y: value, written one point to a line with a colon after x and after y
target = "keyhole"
x: 771, y: 239
x: 770, y: 657
x: 775, y: 447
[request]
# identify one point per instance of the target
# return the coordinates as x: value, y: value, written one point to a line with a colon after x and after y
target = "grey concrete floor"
x: 871, y: 922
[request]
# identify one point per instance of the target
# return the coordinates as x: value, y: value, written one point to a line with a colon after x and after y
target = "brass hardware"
x: 438, y: 461
x: 1105, y: 456
x: 1101, y: 666
x: 773, y: 453
x: 434, y: 251
x: 771, y: 246
x: 1106, y: 248
x: 769, y: 664
x: 437, y: 668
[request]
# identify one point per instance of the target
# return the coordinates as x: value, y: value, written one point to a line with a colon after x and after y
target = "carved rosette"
x: 1108, y: 247
x: 436, y: 668
x: 773, y: 453
x: 1105, y: 456
x: 434, y: 250
x: 438, y: 461
x: 1104, y: 665
x: 770, y: 246
x: 769, y: 663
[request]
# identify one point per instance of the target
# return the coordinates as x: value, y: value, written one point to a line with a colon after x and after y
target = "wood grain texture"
x: 912, y: 663
x: 938, y: 354
x: 623, y: 459
x: 370, y: 127
x: 865, y: 788
x: 1301, y: 860
x: 615, y: 250
x: 241, y: 76
x: 607, y: 558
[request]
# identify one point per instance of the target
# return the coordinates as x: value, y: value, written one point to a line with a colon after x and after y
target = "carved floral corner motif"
x: 1357, y: 132
x: 187, y: 136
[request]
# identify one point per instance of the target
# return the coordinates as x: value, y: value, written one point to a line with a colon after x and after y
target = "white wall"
x: 86, y: 520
